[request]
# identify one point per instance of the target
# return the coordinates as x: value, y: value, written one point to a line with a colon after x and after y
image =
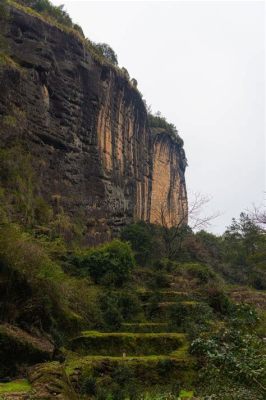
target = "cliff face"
x: 86, y: 127
x: 168, y: 195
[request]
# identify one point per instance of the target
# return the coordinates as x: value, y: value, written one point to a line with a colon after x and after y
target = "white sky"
x: 202, y: 64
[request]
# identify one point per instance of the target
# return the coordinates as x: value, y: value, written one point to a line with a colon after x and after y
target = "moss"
x: 184, y: 394
x: 5, y: 60
x: 115, y: 344
x: 20, y: 385
x: 10, y: 120
x: 145, y: 327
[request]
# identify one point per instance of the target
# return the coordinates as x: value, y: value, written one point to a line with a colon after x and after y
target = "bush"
x: 112, y: 315
x: 129, y: 305
x: 231, y: 359
x: 109, y: 263
x: 140, y: 238
x: 158, y: 121
x: 201, y: 272
x: 88, y: 385
x: 219, y: 301
x: 31, y: 295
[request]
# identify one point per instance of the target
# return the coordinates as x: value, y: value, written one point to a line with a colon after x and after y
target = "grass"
x: 185, y: 394
x: 20, y: 385
x: 44, y: 17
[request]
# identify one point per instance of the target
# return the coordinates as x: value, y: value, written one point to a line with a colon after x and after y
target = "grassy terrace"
x: 130, y: 344
x: 148, y: 370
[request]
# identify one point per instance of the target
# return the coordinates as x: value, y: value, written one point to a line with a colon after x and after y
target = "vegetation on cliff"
x: 159, y: 124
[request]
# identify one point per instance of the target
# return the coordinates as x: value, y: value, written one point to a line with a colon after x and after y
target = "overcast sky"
x: 202, y: 64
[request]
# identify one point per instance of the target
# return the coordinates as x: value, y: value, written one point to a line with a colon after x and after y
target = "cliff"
x: 86, y: 128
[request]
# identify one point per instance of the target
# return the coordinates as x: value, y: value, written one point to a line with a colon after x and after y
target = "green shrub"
x: 159, y: 280
x: 129, y: 305
x: 33, y: 280
x: 218, y: 300
x: 140, y: 238
x: 232, y: 361
x: 202, y: 272
x: 165, y: 264
x: 112, y: 315
x: 37, y: 292
x: 191, y: 318
x: 88, y: 385
x: 110, y: 263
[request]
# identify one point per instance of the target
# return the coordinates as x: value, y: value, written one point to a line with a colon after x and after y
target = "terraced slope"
x: 150, y: 351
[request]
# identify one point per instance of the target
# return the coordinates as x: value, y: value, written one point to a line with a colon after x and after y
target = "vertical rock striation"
x: 168, y: 194
x: 86, y: 127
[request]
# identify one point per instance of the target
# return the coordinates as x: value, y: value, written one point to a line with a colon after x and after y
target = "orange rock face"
x: 168, y: 193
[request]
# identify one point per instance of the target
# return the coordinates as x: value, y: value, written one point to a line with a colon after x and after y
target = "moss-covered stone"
x: 19, y: 347
x: 50, y: 381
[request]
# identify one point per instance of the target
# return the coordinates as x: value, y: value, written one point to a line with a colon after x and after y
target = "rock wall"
x: 86, y: 127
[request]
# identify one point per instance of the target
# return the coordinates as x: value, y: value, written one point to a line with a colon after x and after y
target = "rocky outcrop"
x: 86, y: 126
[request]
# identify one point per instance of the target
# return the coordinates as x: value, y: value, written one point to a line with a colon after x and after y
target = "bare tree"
x: 258, y: 216
x: 196, y: 216
x: 193, y: 218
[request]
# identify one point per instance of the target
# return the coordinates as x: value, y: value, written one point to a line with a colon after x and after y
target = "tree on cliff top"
x: 106, y: 51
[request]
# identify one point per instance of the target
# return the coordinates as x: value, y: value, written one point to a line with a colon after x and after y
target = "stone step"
x: 163, y: 295
x: 127, y: 343
x: 159, y: 312
x: 145, y: 327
